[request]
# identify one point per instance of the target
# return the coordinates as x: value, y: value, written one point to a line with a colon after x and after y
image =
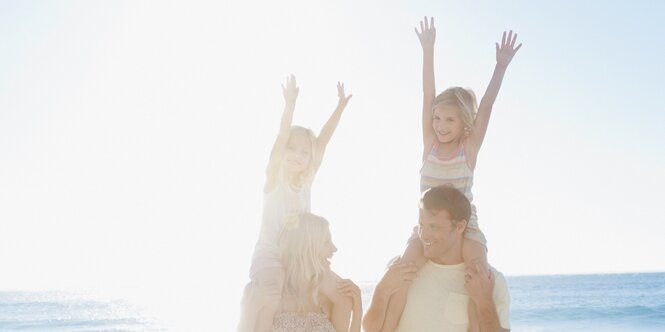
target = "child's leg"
x: 474, y: 250
x: 261, y: 300
x: 413, y: 253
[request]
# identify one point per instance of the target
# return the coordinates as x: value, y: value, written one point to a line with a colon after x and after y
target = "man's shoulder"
x: 501, y: 297
x: 499, y: 278
x: 501, y: 293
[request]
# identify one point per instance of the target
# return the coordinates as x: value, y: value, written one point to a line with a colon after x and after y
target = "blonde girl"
x: 454, y: 127
x: 314, y: 298
x: 295, y: 158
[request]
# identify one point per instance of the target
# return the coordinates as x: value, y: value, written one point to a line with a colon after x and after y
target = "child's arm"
x: 504, y: 54
x: 329, y: 128
x: 290, y: 92
x: 427, y: 36
x: 347, y: 288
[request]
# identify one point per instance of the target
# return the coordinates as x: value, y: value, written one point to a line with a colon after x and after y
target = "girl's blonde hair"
x: 461, y: 99
x: 301, y: 242
x: 306, y: 175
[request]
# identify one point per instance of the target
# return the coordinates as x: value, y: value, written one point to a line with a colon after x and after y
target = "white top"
x: 438, y: 301
x: 281, y: 201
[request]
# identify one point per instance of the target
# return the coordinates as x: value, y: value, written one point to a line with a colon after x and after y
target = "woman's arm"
x: 504, y: 54
x: 427, y: 36
x: 342, y: 306
x: 290, y: 92
x: 329, y: 128
x: 347, y: 288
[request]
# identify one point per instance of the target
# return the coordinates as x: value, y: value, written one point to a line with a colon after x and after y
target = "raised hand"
x: 343, y: 99
x: 290, y: 91
x: 346, y: 287
x: 507, y: 49
x: 427, y: 33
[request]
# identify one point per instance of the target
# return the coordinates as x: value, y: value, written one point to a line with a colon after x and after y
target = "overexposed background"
x: 134, y: 137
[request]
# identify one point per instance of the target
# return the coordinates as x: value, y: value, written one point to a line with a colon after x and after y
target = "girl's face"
x: 298, y: 154
x: 447, y: 124
x: 328, y: 250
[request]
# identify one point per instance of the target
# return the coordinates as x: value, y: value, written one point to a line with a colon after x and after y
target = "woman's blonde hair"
x: 306, y: 175
x: 301, y: 242
x: 461, y: 99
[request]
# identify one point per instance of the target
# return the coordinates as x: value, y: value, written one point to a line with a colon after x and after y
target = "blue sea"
x: 604, y: 302
x: 70, y: 311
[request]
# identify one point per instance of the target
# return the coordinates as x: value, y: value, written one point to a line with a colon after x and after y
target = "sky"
x: 134, y: 136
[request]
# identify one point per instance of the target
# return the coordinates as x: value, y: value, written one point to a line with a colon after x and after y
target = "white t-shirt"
x: 438, y: 301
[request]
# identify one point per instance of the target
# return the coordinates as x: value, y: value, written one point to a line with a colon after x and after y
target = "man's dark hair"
x: 446, y: 197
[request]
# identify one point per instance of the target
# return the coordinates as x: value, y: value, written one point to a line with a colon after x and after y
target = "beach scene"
x: 155, y: 154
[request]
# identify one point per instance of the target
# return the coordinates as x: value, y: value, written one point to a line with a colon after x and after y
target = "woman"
x: 314, y: 298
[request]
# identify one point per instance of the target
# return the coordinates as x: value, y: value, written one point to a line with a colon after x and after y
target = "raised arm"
x: 427, y: 36
x: 398, y: 276
x: 329, y: 128
x: 290, y: 92
x: 504, y: 54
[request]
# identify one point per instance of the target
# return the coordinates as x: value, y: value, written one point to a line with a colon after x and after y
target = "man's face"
x: 442, y: 240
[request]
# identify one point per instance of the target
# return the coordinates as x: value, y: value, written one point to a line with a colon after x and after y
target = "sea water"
x: 603, y: 302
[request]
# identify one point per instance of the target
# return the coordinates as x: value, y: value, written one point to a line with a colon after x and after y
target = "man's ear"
x: 461, y: 226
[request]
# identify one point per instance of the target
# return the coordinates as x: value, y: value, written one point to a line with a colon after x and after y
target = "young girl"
x: 452, y: 136
x: 314, y: 297
x: 295, y: 158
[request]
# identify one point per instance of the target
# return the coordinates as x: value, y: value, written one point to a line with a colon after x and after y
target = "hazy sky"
x: 134, y: 135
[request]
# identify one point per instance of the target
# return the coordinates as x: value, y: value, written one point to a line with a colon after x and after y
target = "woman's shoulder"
x: 329, y: 281
x: 328, y: 286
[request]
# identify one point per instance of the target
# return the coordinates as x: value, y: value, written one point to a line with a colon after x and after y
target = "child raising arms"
x: 453, y: 132
x: 295, y: 158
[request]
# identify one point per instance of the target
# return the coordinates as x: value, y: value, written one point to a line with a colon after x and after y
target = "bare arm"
x: 290, y: 92
x: 342, y: 306
x: 329, y: 128
x: 427, y: 36
x: 399, y: 275
x: 347, y: 288
x: 479, y: 283
x: 504, y: 54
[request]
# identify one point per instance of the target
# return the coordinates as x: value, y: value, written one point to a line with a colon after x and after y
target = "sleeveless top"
x: 454, y: 171
x: 302, y: 322
x: 282, y: 200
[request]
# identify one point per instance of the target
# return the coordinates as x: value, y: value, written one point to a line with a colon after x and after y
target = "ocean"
x: 603, y: 302
x: 68, y: 311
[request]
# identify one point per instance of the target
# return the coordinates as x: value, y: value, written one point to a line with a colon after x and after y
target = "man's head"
x: 444, y: 213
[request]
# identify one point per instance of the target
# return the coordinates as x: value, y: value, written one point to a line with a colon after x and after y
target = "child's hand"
x: 507, y: 49
x: 427, y: 33
x: 343, y: 99
x: 346, y: 287
x: 290, y: 91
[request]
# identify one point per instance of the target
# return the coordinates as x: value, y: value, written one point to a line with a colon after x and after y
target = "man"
x: 438, y: 295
